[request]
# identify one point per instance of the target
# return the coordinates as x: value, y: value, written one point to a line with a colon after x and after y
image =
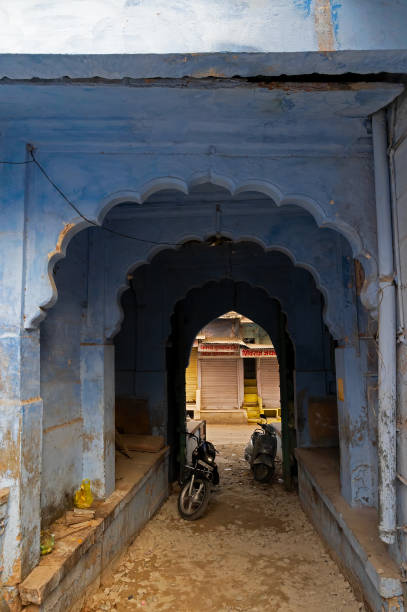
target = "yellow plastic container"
x: 83, y: 497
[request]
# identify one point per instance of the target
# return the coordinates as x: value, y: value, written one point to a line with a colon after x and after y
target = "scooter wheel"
x: 263, y: 472
x: 193, y: 503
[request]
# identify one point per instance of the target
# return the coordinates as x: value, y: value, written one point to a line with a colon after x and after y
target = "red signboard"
x: 218, y: 348
x: 249, y: 352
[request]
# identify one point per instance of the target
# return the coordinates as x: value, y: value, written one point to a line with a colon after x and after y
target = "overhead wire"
x: 85, y: 218
x: 17, y: 163
x: 34, y: 161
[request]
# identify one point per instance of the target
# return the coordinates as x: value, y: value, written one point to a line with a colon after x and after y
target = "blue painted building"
x: 166, y: 163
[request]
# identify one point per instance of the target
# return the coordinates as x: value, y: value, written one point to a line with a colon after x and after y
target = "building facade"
x: 232, y: 373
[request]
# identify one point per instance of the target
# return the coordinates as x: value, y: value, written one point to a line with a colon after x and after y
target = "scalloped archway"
x: 36, y: 308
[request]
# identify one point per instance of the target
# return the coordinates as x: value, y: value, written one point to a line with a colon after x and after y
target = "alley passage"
x: 255, y: 550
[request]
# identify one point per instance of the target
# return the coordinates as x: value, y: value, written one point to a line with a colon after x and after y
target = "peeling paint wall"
x: 314, y: 145
x: 304, y: 149
x: 141, y: 26
x: 61, y: 384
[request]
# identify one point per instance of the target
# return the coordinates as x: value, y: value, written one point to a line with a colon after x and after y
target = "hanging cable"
x: 14, y: 163
x: 34, y: 161
x: 78, y: 212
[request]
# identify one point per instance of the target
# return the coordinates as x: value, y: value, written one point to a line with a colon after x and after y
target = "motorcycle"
x: 194, y: 496
x: 261, y: 451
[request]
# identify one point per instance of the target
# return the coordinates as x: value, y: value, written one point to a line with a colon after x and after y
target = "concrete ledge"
x: 198, y: 65
x: 350, y: 533
x: 224, y: 416
x: 78, y: 560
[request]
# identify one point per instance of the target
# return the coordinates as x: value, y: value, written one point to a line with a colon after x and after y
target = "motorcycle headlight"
x: 209, y: 459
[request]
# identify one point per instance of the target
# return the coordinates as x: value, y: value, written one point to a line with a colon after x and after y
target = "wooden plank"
x: 138, y: 442
x: 4, y: 493
x: 63, y: 533
x: 72, y: 519
x: 87, y: 512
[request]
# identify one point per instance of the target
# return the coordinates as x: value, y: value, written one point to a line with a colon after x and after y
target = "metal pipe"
x: 401, y: 336
x: 386, y: 335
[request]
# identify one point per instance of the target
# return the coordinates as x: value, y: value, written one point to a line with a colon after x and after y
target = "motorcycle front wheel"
x: 263, y: 472
x: 193, y: 499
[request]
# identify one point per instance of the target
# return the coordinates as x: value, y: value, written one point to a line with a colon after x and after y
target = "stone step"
x: 253, y: 414
x: 232, y: 416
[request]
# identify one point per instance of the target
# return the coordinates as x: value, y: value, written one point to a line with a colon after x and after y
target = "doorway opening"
x: 233, y: 373
x: 206, y: 368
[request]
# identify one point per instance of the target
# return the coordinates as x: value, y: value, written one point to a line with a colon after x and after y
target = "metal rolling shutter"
x: 270, y: 382
x: 191, y: 376
x: 219, y: 390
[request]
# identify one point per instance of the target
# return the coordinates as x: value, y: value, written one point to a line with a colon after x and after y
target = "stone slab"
x: 62, y: 577
x: 224, y: 416
x: 350, y: 533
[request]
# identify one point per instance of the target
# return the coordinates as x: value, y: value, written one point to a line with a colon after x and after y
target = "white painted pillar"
x: 387, y: 336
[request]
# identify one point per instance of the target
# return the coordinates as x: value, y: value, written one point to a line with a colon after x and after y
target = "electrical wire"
x: 78, y: 212
x: 34, y: 161
x: 14, y: 163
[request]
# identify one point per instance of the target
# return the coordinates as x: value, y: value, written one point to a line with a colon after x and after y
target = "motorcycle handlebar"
x: 191, y: 435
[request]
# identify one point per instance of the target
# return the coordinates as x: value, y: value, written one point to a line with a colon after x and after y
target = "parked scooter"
x: 202, y: 474
x: 261, y: 451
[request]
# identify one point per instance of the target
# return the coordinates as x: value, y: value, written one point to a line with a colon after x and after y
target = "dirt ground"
x: 254, y: 550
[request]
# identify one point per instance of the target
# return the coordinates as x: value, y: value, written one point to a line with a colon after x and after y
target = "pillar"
x: 97, y: 398
x: 20, y: 451
x: 97, y: 378
x: 357, y: 466
x: 313, y: 372
x: 153, y: 329
x: 20, y: 401
x: 386, y: 417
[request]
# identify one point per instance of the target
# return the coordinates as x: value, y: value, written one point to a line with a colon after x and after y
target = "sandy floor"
x: 254, y: 550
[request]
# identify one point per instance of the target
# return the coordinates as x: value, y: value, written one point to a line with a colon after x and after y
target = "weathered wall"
x: 60, y: 336
x: 315, y: 150
x: 304, y: 146
x: 137, y: 26
x: 105, y: 142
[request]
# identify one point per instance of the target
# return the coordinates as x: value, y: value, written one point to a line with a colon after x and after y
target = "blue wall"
x: 60, y: 337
